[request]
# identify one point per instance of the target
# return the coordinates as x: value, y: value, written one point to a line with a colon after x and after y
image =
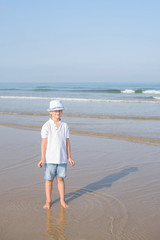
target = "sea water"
x: 83, y: 98
x: 131, y: 110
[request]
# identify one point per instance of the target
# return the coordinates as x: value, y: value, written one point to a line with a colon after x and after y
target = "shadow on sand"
x: 105, y: 182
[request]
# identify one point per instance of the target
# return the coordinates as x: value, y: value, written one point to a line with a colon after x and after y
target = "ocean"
x: 118, y: 110
x: 83, y: 98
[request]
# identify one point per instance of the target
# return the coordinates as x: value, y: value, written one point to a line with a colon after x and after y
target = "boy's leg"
x: 48, y: 189
x: 61, y: 189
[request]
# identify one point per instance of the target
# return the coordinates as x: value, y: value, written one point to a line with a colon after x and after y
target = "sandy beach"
x: 113, y: 190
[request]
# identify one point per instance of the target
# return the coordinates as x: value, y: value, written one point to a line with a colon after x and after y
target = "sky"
x: 79, y: 40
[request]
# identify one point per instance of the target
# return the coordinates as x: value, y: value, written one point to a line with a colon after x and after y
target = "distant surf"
x: 151, y: 101
x: 83, y: 90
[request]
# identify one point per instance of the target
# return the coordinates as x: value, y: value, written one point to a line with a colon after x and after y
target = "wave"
x: 128, y: 91
x: 83, y: 90
x: 45, y: 90
x: 132, y: 91
x: 141, y: 91
x: 10, y: 89
x: 97, y: 90
x: 82, y: 99
x: 48, y: 89
x: 151, y: 91
x: 158, y: 98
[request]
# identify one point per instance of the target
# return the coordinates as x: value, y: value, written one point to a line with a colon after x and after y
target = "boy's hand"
x: 71, y: 162
x: 40, y: 164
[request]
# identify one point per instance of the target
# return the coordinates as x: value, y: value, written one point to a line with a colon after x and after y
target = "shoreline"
x: 84, y: 116
x: 148, y: 141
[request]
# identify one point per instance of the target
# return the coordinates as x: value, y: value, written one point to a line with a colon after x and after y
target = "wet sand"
x: 113, y: 190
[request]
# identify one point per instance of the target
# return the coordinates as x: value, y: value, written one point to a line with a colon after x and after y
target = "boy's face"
x: 56, y: 114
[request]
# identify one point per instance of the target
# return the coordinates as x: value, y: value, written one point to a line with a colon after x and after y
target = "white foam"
x: 151, y: 91
x: 81, y: 99
x: 158, y: 98
x: 128, y: 91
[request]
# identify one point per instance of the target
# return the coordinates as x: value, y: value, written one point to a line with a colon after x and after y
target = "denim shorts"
x: 55, y: 170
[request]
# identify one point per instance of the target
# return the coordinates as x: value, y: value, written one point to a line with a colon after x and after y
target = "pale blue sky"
x: 80, y: 40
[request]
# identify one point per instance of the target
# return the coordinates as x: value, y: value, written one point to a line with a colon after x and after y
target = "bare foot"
x: 64, y: 204
x: 47, y: 205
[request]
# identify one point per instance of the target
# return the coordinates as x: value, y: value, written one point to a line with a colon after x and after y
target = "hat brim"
x: 56, y: 108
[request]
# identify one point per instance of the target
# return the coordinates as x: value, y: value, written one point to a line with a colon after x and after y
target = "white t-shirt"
x: 56, y: 151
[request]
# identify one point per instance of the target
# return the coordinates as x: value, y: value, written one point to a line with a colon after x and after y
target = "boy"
x: 55, y: 150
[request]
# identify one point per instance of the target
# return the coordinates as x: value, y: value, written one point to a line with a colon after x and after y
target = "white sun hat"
x: 55, y: 105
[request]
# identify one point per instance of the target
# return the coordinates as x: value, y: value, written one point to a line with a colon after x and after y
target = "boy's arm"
x: 69, y: 152
x: 43, y: 152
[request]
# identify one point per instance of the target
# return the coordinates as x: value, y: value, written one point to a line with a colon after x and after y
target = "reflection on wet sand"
x: 55, y: 227
x: 106, y: 211
x: 147, y: 141
x: 84, y: 116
